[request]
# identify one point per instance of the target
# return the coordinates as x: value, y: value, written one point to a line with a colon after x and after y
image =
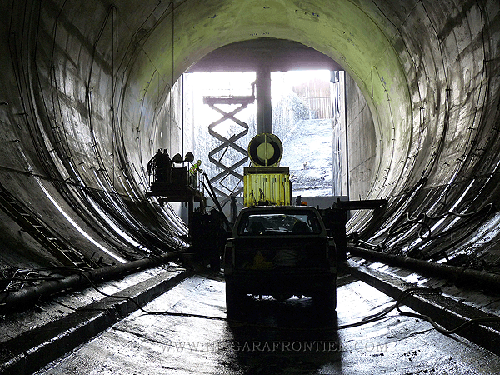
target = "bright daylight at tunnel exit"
x: 264, y: 186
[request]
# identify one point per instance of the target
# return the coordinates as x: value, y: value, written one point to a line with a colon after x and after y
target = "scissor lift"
x: 215, y: 102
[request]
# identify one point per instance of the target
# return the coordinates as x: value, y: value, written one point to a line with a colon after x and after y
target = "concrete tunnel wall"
x: 86, y: 101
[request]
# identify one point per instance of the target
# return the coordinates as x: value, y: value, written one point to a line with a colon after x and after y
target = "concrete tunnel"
x: 88, y: 95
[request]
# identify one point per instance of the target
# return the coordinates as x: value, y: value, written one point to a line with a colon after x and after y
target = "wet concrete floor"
x: 293, y: 337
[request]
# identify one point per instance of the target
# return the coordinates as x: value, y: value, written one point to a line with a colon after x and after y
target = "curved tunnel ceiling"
x: 88, y: 98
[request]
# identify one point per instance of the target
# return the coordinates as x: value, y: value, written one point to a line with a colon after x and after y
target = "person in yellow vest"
x: 195, y: 167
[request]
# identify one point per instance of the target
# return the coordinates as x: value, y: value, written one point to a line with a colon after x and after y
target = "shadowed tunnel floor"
x: 273, y: 338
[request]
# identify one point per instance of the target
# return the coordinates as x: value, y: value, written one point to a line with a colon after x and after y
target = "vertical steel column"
x: 264, y: 103
x: 346, y: 152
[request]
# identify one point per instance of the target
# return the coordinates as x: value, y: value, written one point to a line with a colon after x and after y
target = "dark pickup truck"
x: 280, y: 251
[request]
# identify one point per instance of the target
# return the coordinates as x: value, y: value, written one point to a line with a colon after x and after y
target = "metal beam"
x: 279, y: 55
x: 264, y: 103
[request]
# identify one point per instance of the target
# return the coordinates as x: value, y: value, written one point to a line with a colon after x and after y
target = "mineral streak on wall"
x: 86, y: 98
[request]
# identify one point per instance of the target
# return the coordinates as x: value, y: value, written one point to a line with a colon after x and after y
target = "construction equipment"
x: 265, y: 182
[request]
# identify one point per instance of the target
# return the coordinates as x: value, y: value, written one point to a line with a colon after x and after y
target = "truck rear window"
x: 293, y: 223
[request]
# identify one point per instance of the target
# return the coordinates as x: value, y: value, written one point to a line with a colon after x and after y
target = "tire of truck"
x: 326, y: 298
x: 234, y: 300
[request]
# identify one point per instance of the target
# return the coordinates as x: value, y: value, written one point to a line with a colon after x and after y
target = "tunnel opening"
x: 307, y: 109
x: 318, y: 96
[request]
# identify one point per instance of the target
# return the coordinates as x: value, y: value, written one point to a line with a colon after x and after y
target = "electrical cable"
x: 446, y: 331
x: 422, y: 219
x: 368, y: 319
x: 19, y: 277
x: 382, y: 314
